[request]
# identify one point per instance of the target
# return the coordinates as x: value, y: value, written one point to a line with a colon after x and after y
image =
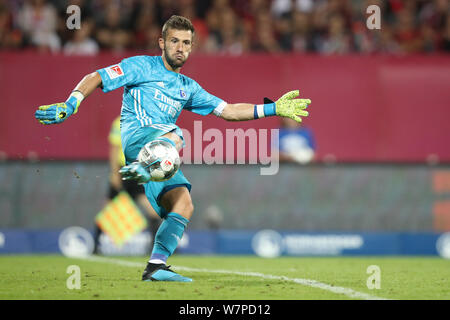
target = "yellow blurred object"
x: 121, y: 219
x: 115, y: 139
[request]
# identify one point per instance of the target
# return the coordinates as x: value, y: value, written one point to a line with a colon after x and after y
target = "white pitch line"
x: 305, y: 282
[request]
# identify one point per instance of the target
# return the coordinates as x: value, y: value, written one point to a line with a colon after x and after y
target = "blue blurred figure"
x: 296, y: 143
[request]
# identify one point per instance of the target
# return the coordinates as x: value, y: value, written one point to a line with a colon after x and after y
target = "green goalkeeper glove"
x: 58, y: 112
x: 286, y: 106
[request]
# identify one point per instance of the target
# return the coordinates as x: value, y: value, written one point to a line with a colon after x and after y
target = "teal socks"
x: 166, y: 239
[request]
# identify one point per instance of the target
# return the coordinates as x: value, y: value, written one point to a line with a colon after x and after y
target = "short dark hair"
x: 178, y: 23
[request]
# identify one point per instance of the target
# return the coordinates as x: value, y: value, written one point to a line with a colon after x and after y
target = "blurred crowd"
x: 232, y: 27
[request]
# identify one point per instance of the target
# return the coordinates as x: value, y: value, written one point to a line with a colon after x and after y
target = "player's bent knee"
x: 178, y: 200
x: 184, y: 208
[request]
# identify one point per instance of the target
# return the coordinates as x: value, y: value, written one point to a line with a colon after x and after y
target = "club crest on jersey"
x: 114, y: 71
x: 182, y: 93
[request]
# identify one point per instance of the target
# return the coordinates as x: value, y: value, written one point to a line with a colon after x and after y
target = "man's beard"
x: 173, y: 63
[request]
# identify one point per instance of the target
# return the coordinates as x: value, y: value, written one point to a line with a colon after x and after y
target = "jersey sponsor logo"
x: 166, y: 104
x: 114, y: 71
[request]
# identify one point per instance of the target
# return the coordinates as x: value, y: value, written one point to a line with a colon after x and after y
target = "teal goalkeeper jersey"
x: 154, y: 95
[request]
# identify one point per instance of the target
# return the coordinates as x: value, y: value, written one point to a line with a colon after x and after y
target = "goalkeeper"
x: 155, y: 92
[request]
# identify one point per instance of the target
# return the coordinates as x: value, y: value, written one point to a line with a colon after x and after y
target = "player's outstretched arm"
x: 58, y: 112
x: 286, y: 106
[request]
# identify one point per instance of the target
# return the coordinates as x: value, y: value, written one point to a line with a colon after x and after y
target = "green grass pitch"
x: 46, y: 277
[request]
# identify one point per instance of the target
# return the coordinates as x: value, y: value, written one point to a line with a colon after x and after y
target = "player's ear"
x: 161, y: 43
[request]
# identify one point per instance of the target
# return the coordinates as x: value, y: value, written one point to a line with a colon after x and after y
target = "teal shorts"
x: 155, y: 190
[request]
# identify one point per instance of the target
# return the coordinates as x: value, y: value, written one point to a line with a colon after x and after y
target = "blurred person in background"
x: 232, y: 38
x: 446, y: 35
x: 112, y: 31
x: 116, y: 185
x: 375, y: 41
x: 337, y: 40
x: 213, y: 24
x: 9, y: 37
x: 38, y: 20
x: 364, y: 39
x: 249, y: 9
x: 430, y: 38
x: 296, y: 143
x: 319, y: 25
x: 151, y: 37
x: 247, y: 12
x: 301, y: 37
x: 388, y: 44
x: 284, y: 32
x: 86, y: 12
x: 165, y: 9
x: 81, y: 42
x: 264, y: 39
x: 282, y: 12
x: 406, y: 32
x: 145, y: 26
x: 341, y: 7
x: 435, y: 13
x: 189, y: 10
x: 432, y: 20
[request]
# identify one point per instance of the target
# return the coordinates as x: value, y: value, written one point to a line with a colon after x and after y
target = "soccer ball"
x: 161, y: 159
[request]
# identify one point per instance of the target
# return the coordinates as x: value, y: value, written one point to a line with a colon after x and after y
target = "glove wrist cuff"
x: 264, y: 110
x: 74, y: 100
